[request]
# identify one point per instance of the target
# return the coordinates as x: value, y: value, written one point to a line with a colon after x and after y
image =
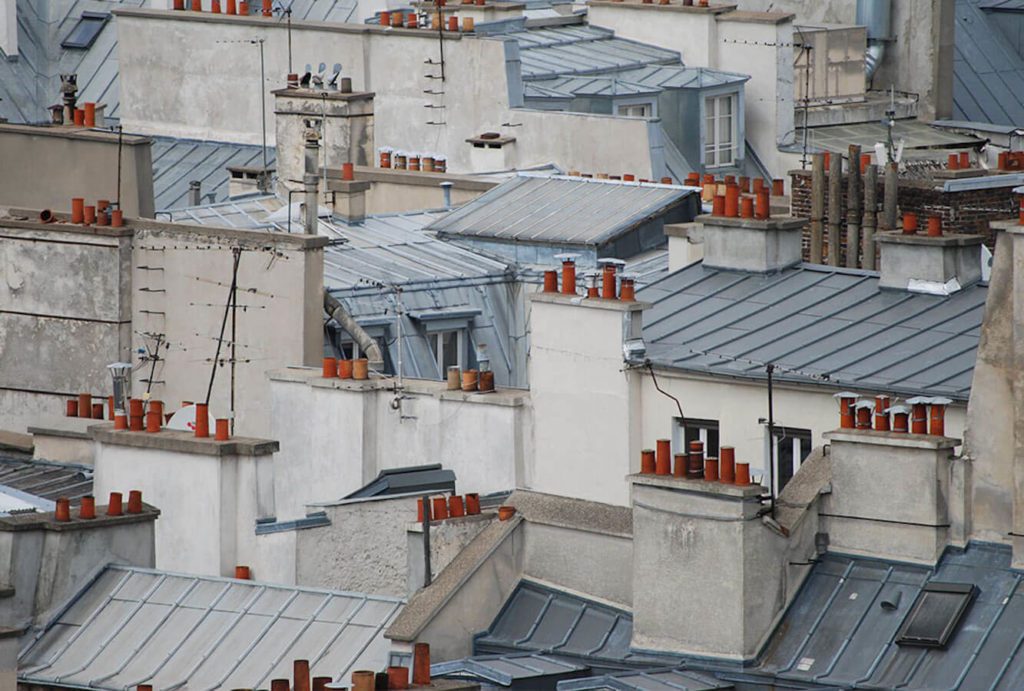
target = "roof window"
x: 86, y: 30
x: 936, y: 614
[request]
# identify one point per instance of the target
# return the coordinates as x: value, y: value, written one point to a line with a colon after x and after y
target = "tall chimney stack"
x: 311, y: 181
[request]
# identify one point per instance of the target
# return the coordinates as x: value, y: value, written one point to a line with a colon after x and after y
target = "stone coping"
x: 718, y: 489
x: 56, y: 432
x: 74, y: 132
x: 596, y: 303
x: 45, y: 521
x: 575, y: 514
x: 681, y: 230
x: 429, y: 387
x: 771, y: 223
x: 183, y: 442
x: 906, y: 441
x: 323, y: 94
x: 677, y: 7
x: 409, y: 177
x: 919, y: 238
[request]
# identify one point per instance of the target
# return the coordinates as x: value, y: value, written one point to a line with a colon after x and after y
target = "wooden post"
x: 870, y: 215
x: 889, y: 203
x: 835, y: 198
x: 853, y: 208
x: 817, y: 207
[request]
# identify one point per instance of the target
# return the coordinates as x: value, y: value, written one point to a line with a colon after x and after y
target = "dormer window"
x: 89, y: 26
x: 720, y: 131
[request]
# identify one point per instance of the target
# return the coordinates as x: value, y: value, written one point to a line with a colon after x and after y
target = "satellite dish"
x: 184, y: 419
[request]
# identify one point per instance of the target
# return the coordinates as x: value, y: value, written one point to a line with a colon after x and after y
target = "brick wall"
x: 968, y: 211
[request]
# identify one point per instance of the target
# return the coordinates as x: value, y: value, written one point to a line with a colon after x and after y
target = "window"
x: 720, y: 132
x: 792, y: 446
x: 694, y: 429
x: 936, y: 614
x: 448, y: 349
x: 635, y: 110
x: 86, y: 30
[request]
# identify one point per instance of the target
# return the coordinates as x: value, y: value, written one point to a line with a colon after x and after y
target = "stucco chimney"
x: 311, y: 181
x: 751, y: 244
x: 939, y: 264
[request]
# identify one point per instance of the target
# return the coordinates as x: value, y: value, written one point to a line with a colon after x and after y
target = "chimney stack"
x: 311, y: 181
x: 751, y: 244
x: 938, y: 263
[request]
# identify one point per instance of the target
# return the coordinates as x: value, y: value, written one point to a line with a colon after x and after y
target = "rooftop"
x: 131, y: 626
x: 988, y: 69
x: 30, y: 483
x: 422, y: 479
x: 818, y: 324
x: 915, y: 134
x: 560, y: 210
x: 177, y: 162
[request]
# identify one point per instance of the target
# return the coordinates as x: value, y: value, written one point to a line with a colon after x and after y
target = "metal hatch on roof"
x: 422, y: 479
x: 89, y: 26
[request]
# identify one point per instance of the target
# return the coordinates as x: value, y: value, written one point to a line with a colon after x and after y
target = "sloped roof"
x: 176, y: 162
x: 631, y: 82
x: 539, y: 618
x: 46, y: 479
x: 430, y: 478
x: 581, y: 49
x: 559, y: 210
x: 132, y: 626
x: 823, y: 322
x: 648, y: 680
x: 988, y: 73
x: 30, y: 84
x: 506, y: 669
x: 837, y: 633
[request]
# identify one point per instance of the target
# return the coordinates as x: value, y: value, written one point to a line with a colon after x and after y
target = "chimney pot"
x: 778, y: 187
x: 135, y: 501
x: 363, y: 680
x: 935, y: 226
x: 568, y: 274
x: 300, y: 673
x: 421, y: 506
x: 268, y: 11
x: 472, y: 504
x: 62, y: 513
x: 398, y: 677
x: 280, y: 685
x: 361, y: 369
x: 87, y: 507
x: 506, y: 512
x: 718, y: 205
x: 71, y: 407
x: 747, y: 207
x: 846, y: 399
x: 84, y: 405
x: 909, y: 223
x: 881, y: 413
x: 695, y: 469
x: 648, y: 462
x: 78, y: 209
x: 663, y: 457
x: 742, y: 474
x: 385, y: 18
x: 231, y: 7
x: 202, y: 429
x: 114, y: 507
x: 627, y: 290
x: 551, y: 281
x: 937, y: 409
x: 864, y: 409
x: 116, y: 218
x: 918, y: 415
x: 727, y: 464
x: 153, y: 420
x: 90, y: 215
x: 732, y: 200
x: 330, y: 368
x: 120, y: 422
x: 965, y: 160
x: 440, y: 509
x: 456, y: 509
x: 223, y: 429
x: 421, y: 661
x: 711, y: 469
x: 215, y: 6
x: 953, y: 162
x: 470, y: 380
x: 679, y: 464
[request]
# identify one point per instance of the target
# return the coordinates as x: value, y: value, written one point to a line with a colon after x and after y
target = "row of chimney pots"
x: 102, y: 213
x: 145, y: 415
x: 456, y: 378
x: 229, y: 6
x: 625, y: 291
x: 404, y: 160
x: 87, y: 506
x: 693, y: 465
x: 411, y: 20
x: 918, y: 415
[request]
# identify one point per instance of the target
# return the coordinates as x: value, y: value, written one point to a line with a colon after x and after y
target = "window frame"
x: 703, y: 428
x: 797, y: 435
x: 99, y: 19
x: 712, y: 159
x: 435, y: 341
x: 622, y: 104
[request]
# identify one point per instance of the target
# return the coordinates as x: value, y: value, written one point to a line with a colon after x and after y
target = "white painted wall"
x: 585, y: 422
x: 202, y: 98
x: 208, y: 503
x: 338, y: 435
x: 9, y: 27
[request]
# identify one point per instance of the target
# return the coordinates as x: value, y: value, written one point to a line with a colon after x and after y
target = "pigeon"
x: 333, y: 83
x: 304, y: 82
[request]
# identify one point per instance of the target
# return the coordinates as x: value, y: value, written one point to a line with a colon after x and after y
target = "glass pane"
x: 712, y: 445
x: 785, y: 462
x: 725, y: 106
x: 449, y: 349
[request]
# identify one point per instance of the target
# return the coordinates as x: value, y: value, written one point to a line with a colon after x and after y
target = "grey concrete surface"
x: 747, y: 244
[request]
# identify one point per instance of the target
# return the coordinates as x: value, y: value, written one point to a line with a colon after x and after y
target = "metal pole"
x: 120, y: 144
x: 234, y: 341
x: 891, y: 191
x: 853, y: 207
x: 263, y: 114
x: 427, y: 577
x: 870, y: 215
x: 835, y: 198
x: 237, y: 251
x: 817, y: 207
x: 440, y: 34
x: 770, y: 368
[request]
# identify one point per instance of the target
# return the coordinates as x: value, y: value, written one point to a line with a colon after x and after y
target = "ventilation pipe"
x: 367, y: 345
x: 195, y: 193
x: 876, y: 15
x: 311, y: 180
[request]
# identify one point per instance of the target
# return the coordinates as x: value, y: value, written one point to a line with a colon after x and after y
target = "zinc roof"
x: 131, y: 626
x: 580, y: 49
x: 988, y: 72
x: 817, y: 324
x: 45, y: 479
x: 176, y: 162
x: 837, y: 633
x: 559, y: 209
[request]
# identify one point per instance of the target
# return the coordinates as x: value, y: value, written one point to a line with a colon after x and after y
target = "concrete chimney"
x: 940, y: 264
x: 685, y: 244
x: 751, y: 244
x: 311, y: 181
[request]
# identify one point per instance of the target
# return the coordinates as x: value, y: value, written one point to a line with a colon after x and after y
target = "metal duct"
x: 310, y: 180
x: 876, y: 15
x: 367, y: 345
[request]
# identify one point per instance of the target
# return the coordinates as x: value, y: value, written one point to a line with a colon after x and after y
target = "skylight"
x: 86, y: 30
x: 936, y: 614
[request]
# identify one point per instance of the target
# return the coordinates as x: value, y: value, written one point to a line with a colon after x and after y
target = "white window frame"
x: 798, y: 457
x: 713, y: 149
x: 435, y: 339
x: 622, y: 106
x: 702, y: 426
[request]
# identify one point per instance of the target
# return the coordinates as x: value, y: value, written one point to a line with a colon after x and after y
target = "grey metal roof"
x: 1002, y: 5
x: 132, y: 626
x: 176, y: 162
x: 321, y: 10
x: 916, y: 134
x: 505, y: 670
x: 419, y: 478
x: 819, y: 320
x: 644, y: 80
x: 31, y: 83
x: 988, y: 72
x: 538, y: 618
x: 651, y: 680
x: 837, y: 634
x: 580, y: 49
x: 559, y: 210
x: 46, y: 479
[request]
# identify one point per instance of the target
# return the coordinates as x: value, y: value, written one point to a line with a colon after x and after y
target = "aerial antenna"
x: 286, y: 14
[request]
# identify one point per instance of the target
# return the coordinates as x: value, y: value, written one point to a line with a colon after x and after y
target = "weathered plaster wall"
x: 55, y: 164
x: 225, y: 104
x: 65, y: 311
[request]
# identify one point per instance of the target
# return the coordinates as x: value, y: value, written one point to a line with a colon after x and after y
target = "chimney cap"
x: 610, y: 261
x: 567, y: 256
x: 865, y: 403
x: 846, y: 394
x: 919, y: 400
x: 896, y: 409
x: 939, y: 400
